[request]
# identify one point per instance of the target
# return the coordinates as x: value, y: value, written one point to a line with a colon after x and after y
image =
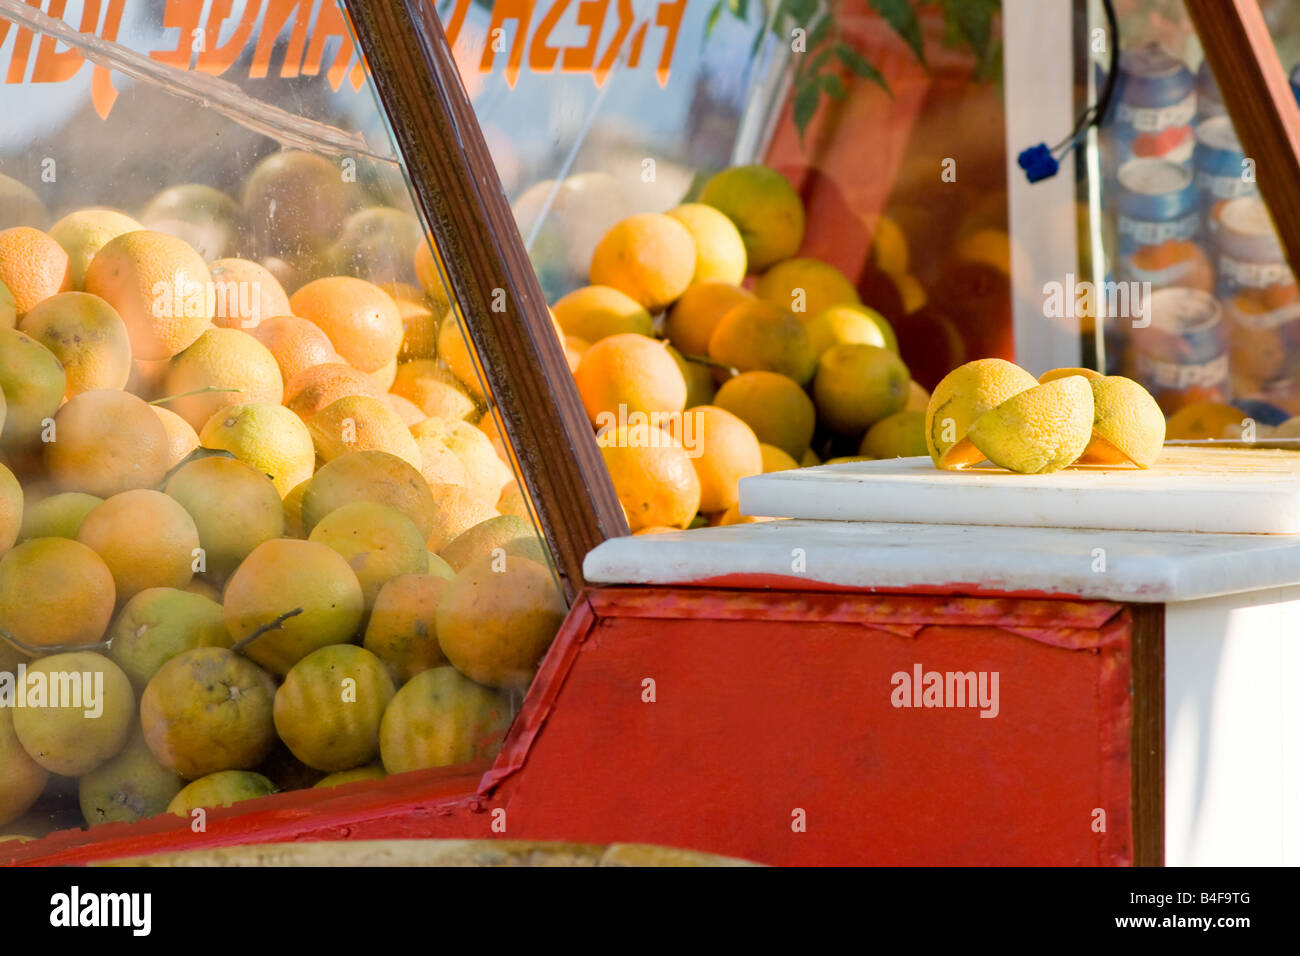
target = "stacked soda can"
x: 1222, y: 170
x: 1180, y: 349
x: 1159, y: 220
x: 1261, y: 305
x: 1155, y: 115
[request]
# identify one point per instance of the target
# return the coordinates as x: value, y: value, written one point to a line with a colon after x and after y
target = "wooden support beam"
x: 481, y: 253
x: 1254, y: 86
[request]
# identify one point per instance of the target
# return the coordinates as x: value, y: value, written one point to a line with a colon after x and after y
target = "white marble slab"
x: 1254, y: 491
x: 1111, y: 565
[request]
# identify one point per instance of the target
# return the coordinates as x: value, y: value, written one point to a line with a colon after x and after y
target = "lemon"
x: 901, y: 435
x: 1127, y: 424
x: 719, y: 250
x: 271, y: 438
x: 806, y: 287
x: 1040, y: 430
x: 765, y: 208
x: 964, y: 394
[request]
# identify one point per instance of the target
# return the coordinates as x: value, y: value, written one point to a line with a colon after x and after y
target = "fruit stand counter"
x: 835, y: 692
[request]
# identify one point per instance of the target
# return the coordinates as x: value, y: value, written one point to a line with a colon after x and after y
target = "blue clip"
x: 1039, y: 163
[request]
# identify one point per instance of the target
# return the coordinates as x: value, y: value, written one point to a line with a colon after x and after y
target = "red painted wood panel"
x: 766, y: 701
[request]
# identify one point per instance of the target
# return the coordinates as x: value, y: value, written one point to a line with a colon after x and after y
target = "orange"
x: 595, y: 311
x: 383, y: 379
x: 33, y: 383
x: 458, y: 355
x: 649, y: 256
x: 361, y: 319
x: 723, y: 450
x: 377, y: 243
x: 696, y: 314
x: 457, y: 509
x: 181, y: 438
x: 774, y: 406
x: 33, y: 266
x: 719, y: 250
x: 760, y: 335
x: 222, y: 789
x: 807, y: 287
x: 846, y: 323
x: 378, y: 542
x: 629, y: 373
x: 203, y: 217
x: 487, y: 537
x: 246, y: 293
x: 284, y: 576
x: 858, y: 385
x: 160, y: 287
x: 439, y: 464
x: 234, y: 507
x: 55, y: 592
x: 733, y: 516
x: 420, y: 322
x: 162, y: 558
x: 107, y: 442
x: 765, y: 208
x: 432, y: 388
x: 344, y: 777
x: 12, y: 518
x: 313, y: 388
x: 653, y: 476
x: 84, y: 232
x: 496, y: 620
x: 23, y: 779
x: 295, y: 204
x: 429, y: 276
x: 88, y: 338
x: 208, y: 710
x: 329, y: 707
x: 128, y: 787
x: 361, y: 423
x: 159, y: 623
x: 402, y: 630
x: 270, y: 438
x: 900, y: 435
x: 73, y: 740
x: 58, y: 516
x: 223, y: 367
x: 485, y: 474
x: 296, y: 344
x: 440, y: 719
x: 1205, y: 420
x: 774, y: 459
x: 19, y: 206
x: 407, y: 410
x: 369, y: 476
x: 700, y: 387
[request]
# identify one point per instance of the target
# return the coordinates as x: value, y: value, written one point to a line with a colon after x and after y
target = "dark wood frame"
x: 480, y: 251
x: 1255, y: 91
x: 1147, y: 745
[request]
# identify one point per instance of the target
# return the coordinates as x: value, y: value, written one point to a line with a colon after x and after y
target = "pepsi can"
x: 1222, y: 170
x: 1182, y: 353
x: 1157, y: 204
x: 1156, y: 113
x: 1248, y: 253
x: 1209, y: 101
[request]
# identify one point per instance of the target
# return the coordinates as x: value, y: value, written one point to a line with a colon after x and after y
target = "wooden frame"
x: 481, y: 256
x: 1255, y: 91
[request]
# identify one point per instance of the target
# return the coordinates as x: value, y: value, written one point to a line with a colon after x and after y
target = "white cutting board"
x: 1251, y: 491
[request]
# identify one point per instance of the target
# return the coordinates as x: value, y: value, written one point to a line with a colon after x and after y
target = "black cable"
x: 1095, y: 115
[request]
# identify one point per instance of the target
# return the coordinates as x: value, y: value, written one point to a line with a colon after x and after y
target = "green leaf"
x: 861, y: 66
x: 817, y: 35
x: 739, y: 8
x: 813, y: 66
x: 901, y: 16
x: 806, y: 100
x: 778, y: 18
x: 802, y: 11
x: 834, y: 87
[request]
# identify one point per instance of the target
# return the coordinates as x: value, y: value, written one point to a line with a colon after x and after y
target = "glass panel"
x: 859, y: 201
x: 1184, y: 228
x: 253, y: 513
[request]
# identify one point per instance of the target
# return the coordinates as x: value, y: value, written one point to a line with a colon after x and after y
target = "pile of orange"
x: 249, y: 477
x: 708, y: 351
